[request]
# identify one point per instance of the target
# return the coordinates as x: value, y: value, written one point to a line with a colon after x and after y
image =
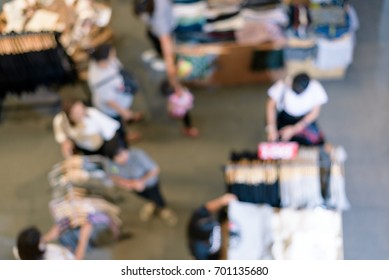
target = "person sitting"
x: 31, y: 245
x: 132, y: 169
x: 204, y: 230
x: 107, y: 86
x: 84, y: 129
x: 292, y: 110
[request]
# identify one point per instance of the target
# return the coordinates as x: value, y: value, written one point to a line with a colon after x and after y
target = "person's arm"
x: 135, y: 184
x: 271, y: 120
x: 216, y: 204
x: 83, y: 240
x: 126, y: 114
x: 168, y: 52
x: 52, y: 234
x: 289, y: 131
x: 67, y: 145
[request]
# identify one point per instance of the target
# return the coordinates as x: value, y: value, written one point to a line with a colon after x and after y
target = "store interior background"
x: 356, y: 117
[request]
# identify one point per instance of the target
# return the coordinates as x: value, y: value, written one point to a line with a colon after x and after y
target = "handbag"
x: 131, y: 85
x: 180, y: 105
x: 311, y: 134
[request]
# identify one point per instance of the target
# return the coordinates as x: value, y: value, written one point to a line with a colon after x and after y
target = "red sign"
x: 277, y: 150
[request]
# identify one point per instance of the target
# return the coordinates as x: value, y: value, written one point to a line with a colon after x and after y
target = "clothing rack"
x: 73, y: 205
x: 31, y: 60
x: 86, y: 172
x: 312, y: 179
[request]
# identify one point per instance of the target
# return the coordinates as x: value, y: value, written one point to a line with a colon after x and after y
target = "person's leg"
x: 187, y: 120
x: 155, y: 43
x: 154, y: 195
x: 157, y: 203
x: 189, y: 130
x: 121, y: 132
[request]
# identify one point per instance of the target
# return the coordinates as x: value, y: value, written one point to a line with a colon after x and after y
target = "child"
x: 179, y: 106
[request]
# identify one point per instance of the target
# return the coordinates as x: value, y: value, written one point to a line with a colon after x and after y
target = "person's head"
x: 74, y: 109
x: 29, y: 244
x: 300, y: 83
x: 121, y: 157
x: 103, y: 53
x: 144, y: 7
x: 200, y: 231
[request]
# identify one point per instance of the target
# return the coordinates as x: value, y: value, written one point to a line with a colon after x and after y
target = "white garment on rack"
x: 337, y: 188
x: 336, y: 53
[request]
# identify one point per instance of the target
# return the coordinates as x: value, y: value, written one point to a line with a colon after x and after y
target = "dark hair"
x: 200, y: 229
x: 300, y: 83
x: 67, y: 105
x: 28, y: 244
x: 144, y: 6
x: 101, y: 52
x: 113, y: 147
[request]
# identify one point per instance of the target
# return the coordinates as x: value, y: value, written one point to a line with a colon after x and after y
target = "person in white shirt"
x: 84, y: 129
x: 293, y: 108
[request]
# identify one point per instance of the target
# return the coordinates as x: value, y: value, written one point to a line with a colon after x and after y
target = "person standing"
x: 133, y: 170
x: 109, y: 94
x: 160, y: 23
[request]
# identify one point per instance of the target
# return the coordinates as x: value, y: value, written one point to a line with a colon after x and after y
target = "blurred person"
x: 132, y: 169
x: 293, y: 108
x: 204, y: 229
x: 160, y: 22
x: 84, y: 129
x: 31, y: 245
x: 107, y: 85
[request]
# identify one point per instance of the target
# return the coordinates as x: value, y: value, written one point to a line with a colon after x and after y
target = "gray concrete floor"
x: 229, y: 118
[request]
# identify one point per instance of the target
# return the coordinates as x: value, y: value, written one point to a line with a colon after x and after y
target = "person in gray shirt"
x: 160, y: 23
x: 134, y: 170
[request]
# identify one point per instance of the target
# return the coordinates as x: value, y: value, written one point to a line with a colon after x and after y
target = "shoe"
x: 147, y: 212
x: 158, y: 65
x: 149, y: 55
x: 133, y: 137
x: 137, y: 117
x: 123, y: 235
x: 191, y: 132
x: 169, y: 216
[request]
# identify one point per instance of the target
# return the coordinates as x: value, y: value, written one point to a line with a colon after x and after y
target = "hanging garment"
x: 337, y: 198
x: 22, y: 54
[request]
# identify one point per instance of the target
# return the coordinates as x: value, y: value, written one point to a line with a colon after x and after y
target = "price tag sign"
x: 277, y: 150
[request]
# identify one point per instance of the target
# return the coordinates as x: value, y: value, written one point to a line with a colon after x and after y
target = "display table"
x: 254, y: 232
x: 314, y: 38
